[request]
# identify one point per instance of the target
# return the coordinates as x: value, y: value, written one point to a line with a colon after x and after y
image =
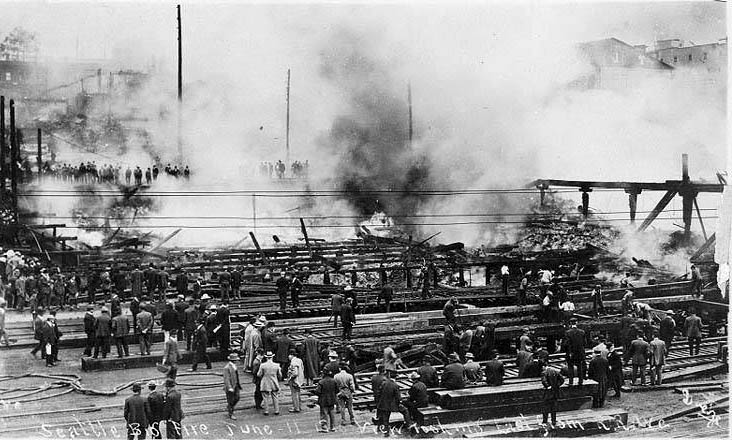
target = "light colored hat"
x: 212, y: 307
x: 414, y: 375
x: 205, y: 296
x: 348, y: 288
x: 469, y: 356
x: 152, y: 384
x: 269, y: 354
x: 105, y: 309
x: 670, y: 312
x: 233, y: 357
x: 332, y: 354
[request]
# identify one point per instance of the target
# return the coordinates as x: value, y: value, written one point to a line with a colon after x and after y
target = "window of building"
x: 8, y: 76
x: 676, y: 59
x: 616, y: 57
x: 690, y: 57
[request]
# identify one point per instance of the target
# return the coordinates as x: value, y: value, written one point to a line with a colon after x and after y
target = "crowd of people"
x: 91, y: 172
x: 298, y: 170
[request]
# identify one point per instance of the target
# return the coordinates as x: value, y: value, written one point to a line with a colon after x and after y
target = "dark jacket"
x: 89, y: 324
x: 120, y: 326
x: 429, y: 376
x: 103, y: 325
x: 576, y: 343
x: 269, y: 340
x: 169, y: 320
x: 639, y: 352
x: 667, y: 328
x: 552, y: 381
x: 377, y: 382
x: 494, y: 372
x: 135, y: 411
x: 326, y: 391
x: 599, y: 369
x: 154, y: 407
x: 284, y: 344
x: 390, y: 397
x: 418, y: 394
x: 49, y: 333
x: 200, y: 340
x: 453, y: 376
x: 171, y: 408
x: 347, y: 314
x: 191, y: 316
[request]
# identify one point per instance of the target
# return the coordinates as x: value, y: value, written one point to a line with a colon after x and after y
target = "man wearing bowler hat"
x: 232, y: 386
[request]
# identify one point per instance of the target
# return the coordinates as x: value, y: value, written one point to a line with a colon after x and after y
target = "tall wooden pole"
x: 2, y: 145
x: 180, y: 83
x: 409, y: 99
x: 13, y: 161
x: 287, y: 122
x: 40, y: 155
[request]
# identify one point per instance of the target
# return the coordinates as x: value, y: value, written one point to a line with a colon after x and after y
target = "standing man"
x: 386, y: 294
x: 348, y: 319
x: 134, y: 310
x: 327, y: 391
x: 145, y: 329
x: 283, y: 285
x: 312, y: 356
x: 270, y: 375
x: 639, y: 358
x: 171, y: 356
x: 190, y: 319
x: 90, y: 330
x: 599, y: 371
x: 597, y: 304
x: 295, y: 379
x: 135, y: 415
x: 236, y: 278
x: 38, y: 323
x: 504, y: 279
x: 154, y: 407
x: 522, y: 288
x: 256, y: 365
x: 552, y: 380
x: 224, y: 322
x: 667, y: 328
x: 696, y: 285
x: 172, y: 411
x: 692, y: 330
x: 120, y: 329
x: 103, y: 332
x: 390, y: 401
x: 232, y: 386
x: 200, y: 343
x: 575, y: 351
x: 336, y: 304
x: 346, y: 387
x: 295, y: 289
x: 658, y: 358
x: 136, y: 277
x: 50, y: 340
x: 283, y: 346
x: 615, y: 364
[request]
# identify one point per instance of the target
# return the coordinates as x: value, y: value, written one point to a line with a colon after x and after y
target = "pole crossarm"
x: 669, y: 185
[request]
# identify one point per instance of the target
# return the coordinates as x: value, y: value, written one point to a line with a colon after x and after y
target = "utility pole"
x: 180, y: 84
x: 2, y: 146
x: 287, y: 121
x: 13, y: 161
x: 409, y: 100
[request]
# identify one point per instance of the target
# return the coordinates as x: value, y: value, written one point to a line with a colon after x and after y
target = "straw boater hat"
x: 469, y: 356
x: 205, y: 296
x: 233, y: 357
x: 332, y: 355
x: 269, y: 355
x: 212, y: 307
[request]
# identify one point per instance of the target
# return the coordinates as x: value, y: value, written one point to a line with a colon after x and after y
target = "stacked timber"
x: 508, y: 400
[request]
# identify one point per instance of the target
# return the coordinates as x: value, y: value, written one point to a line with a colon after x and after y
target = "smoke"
x: 491, y: 109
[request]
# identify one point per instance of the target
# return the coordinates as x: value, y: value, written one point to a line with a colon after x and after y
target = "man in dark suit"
x: 283, y: 346
x: 692, y: 330
x: 599, y: 371
x: 154, y: 408
x: 135, y: 414
x: 103, y: 331
x: 50, y: 339
x: 172, y: 411
x: 667, y: 328
x: 390, y: 401
x: 38, y: 324
x: 494, y: 370
x: 90, y: 330
x: 200, y: 342
x: 232, y: 386
x: 552, y: 380
x: 191, y: 316
x: 575, y: 351
x: 120, y: 329
x: 453, y: 376
x: 639, y: 353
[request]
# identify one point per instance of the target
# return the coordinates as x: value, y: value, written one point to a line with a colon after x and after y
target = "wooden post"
x: 13, y: 156
x: 287, y: 123
x: 40, y: 155
x: 305, y: 234
x: 2, y: 146
x: 461, y: 276
x: 632, y: 203
x: 701, y: 223
x: 180, y: 84
x: 487, y: 275
x: 408, y: 273
x: 256, y: 245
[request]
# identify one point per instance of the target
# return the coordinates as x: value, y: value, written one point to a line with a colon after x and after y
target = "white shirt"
x: 504, y: 270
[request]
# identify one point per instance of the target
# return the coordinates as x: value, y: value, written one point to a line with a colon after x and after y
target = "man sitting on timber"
x: 494, y: 370
x: 417, y: 397
x: 449, y: 310
x: 525, y: 338
x: 453, y: 376
x: 473, y: 373
x: 428, y: 374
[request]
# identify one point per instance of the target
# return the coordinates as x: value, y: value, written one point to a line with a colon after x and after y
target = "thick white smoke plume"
x: 491, y: 109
